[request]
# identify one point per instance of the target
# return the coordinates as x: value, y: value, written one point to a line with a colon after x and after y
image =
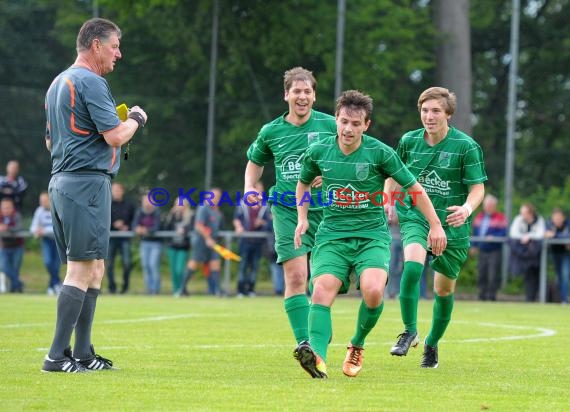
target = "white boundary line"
x: 118, y: 321
x: 539, y: 332
x: 542, y: 332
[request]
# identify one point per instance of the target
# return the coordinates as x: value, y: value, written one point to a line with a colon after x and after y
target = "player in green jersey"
x: 353, y: 235
x: 283, y: 141
x: 449, y: 165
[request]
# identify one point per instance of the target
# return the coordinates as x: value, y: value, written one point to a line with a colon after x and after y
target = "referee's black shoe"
x: 67, y: 364
x: 95, y: 362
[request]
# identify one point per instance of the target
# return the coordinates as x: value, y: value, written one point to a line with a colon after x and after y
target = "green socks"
x: 442, y: 308
x: 367, y: 318
x: 320, y: 328
x: 297, y: 309
x: 410, y: 294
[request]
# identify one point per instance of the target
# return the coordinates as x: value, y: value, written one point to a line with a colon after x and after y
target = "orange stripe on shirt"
x: 72, y: 118
x: 75, y: 129
x: 71, y: 91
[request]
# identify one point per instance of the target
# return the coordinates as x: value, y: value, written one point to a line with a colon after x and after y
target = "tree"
x: 258, y: 40
x: 543, y: 93
x: 389, y: 54
x: 454, y: 56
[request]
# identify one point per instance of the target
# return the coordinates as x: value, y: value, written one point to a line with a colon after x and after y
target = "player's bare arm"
x: 252, y: 175
x: 302, y: 213
x: 437, y: 239
x: 459, y: 214
x: 390, y: 186
x: 317, y: 182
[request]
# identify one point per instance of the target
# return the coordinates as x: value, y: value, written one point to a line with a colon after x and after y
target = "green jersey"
x: 285, y: 144
x: 352, y: 191
x: 446, y: 171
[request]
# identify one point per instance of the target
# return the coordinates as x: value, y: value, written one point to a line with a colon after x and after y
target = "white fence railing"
x: 227, y: 236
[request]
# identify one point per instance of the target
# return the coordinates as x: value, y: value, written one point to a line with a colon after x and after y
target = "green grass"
x: 225, y: 354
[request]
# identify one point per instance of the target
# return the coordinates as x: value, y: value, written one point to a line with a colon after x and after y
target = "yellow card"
x: 122, y: 111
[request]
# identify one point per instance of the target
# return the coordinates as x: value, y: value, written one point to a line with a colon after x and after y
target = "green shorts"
x: 449, y: 263
x: 284, y: 225
x: 341, y: 257
x: 81, y: 211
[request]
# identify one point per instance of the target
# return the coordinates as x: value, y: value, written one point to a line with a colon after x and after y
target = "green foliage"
x: 396, y: 61
x: 165, y: 69
x: 543, y: 95
x: 547, y: 199
x: 389, y: 53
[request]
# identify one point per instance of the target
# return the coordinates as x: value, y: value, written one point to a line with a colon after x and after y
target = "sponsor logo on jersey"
x: 432, y: 183
x: 291, y: 168
x: 347, y: 197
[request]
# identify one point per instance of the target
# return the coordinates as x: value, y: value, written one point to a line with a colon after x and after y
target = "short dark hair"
x: 353, y: 100
x: 95, y: 28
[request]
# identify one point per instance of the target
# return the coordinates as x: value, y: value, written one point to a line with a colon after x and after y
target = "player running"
x: 283, y: 141
x: 353, y: 235
x: 449, y: 164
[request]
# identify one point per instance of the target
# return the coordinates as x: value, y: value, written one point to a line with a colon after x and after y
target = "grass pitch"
x: 226, y: 354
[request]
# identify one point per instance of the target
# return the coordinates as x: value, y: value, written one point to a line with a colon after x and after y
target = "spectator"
x: 122, y: 214
x: 558, y: 227
x: 42, y: 228
x: 179, y: 220
x: 526, y: 234
x: 13, y: 185
x: 250, y: 219
x: 396, y: 259
x: 489, y: 223
x: 11, y: 246
x: 208, y: 222
x: 145, y: 223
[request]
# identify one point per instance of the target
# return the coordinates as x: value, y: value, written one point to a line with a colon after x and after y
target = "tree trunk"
x: 451, y: 18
